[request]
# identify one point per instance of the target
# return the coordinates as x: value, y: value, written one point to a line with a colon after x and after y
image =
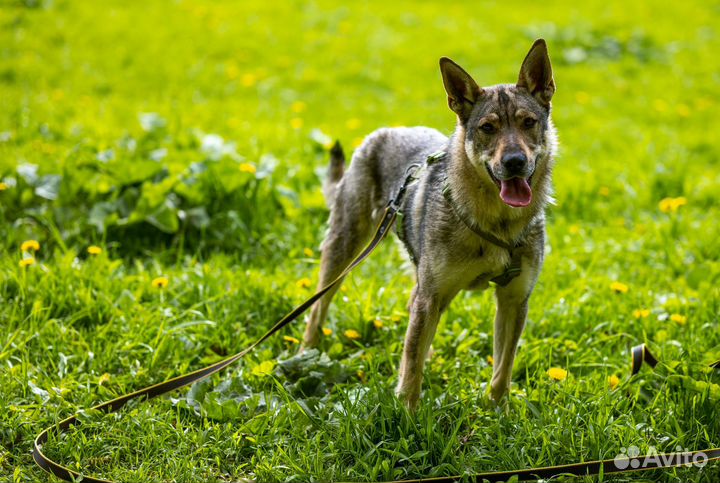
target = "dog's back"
x: 378, y: 166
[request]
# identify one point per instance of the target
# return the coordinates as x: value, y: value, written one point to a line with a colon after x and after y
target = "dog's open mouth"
x: 516, y: 191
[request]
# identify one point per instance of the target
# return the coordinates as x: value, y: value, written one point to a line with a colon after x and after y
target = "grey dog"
x: 474, y: 216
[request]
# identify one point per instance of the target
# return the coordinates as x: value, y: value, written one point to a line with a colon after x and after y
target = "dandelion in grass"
x: 671, y: 205
x: 103, y: 379
x: 557, y: 373
x: 326, y: 331
x: 619, y: 287
x: 678, y: 319
x: 613, y: 381
x: 641, y: 313
x: 291, y: 339
x: 248, y: 80
x: 30, y: 246
x: 353, y: 123
x: 490, y: 360
x: 160, y: 282
x: 94, y: 250
x: 357, y: 142
x: 248, y: 168
x: 682, y: 110
x: 308, y: 252
x: 3, y: 186
x: 296, y: 123
x: 26, y: 262
x: 378, y: 323
x: 303, y: 283
x: 352, y: 334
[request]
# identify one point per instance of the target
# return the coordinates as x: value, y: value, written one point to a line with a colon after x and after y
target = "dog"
x: 475, y: 215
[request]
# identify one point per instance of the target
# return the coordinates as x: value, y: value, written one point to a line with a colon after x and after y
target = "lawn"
x: 187, y: 142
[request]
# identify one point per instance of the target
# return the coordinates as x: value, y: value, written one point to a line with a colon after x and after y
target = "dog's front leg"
x: 512, y: 308
x: 425, y: 310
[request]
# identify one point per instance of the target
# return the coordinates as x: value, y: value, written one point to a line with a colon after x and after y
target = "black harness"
x: 514, y: 266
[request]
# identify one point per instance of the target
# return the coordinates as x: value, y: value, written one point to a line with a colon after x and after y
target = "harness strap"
x: 514, y: 266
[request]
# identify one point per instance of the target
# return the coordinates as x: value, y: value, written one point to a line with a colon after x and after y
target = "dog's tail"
x: 335, y: 172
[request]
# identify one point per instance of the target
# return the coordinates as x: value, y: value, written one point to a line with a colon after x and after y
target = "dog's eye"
x: 487, y: 128
x: 529, y: 122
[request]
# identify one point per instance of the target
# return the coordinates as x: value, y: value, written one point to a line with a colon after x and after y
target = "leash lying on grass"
x: 640, y: 355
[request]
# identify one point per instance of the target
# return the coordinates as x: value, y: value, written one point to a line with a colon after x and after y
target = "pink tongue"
x: 515, y: 192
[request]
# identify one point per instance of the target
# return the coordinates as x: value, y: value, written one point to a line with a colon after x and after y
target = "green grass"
x: 636, y: 109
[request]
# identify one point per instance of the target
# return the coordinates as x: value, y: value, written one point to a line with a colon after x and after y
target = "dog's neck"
x: 478, y: 196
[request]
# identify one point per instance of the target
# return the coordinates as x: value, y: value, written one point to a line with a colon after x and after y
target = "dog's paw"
x: 409, y: 399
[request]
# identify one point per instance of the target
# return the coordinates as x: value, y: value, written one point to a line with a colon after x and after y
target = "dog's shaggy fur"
x: 497, y: 168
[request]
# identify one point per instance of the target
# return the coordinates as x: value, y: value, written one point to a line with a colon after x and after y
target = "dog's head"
x: 507, y: 128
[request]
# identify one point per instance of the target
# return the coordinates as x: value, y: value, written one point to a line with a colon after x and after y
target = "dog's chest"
x: 471, y: 266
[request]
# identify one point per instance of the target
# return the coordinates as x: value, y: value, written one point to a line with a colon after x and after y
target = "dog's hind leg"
x: 352, y: 218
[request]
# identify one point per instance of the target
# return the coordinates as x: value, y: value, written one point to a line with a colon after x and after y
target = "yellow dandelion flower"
x: 604, y: 191
x: 396, y: 318
x: 361, y: 375
x: 291, y: 339
x: 641, y: 313
x: 352, y: 334
x: 680, y: 201
x: 94, y: 250
x: 103, y: 379
x: 574, y: 229
x: 296, y: 123
x: 353, y: 123
x: 327, y: 331
x: 30, y: 246
x: 378, y: 323
x: 619, y: 287
x: 248, y: 80
x: 248, y: 168
x: 343, y: 289
x: 557, y: 373
x: 671, y: 205
x: 160, y: 282
x: 683, y: 110
x: 298, y: 106
x: 304, y: 283
x: 308, y: 252
x: 26, y: 262
x: 677, y: 318
x: 665, y: 205
x: 490, y: 360
x: 613, y: 381
x: 3, y: 186
x: 357, y: 142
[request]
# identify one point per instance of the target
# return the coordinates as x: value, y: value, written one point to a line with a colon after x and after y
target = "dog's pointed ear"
x: 463, y: 92
x: 536, y: 73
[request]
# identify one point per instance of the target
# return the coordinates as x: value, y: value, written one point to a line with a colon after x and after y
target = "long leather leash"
x: 640, y: 355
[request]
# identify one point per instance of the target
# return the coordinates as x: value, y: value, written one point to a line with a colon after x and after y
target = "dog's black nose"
x: 514, y: 162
